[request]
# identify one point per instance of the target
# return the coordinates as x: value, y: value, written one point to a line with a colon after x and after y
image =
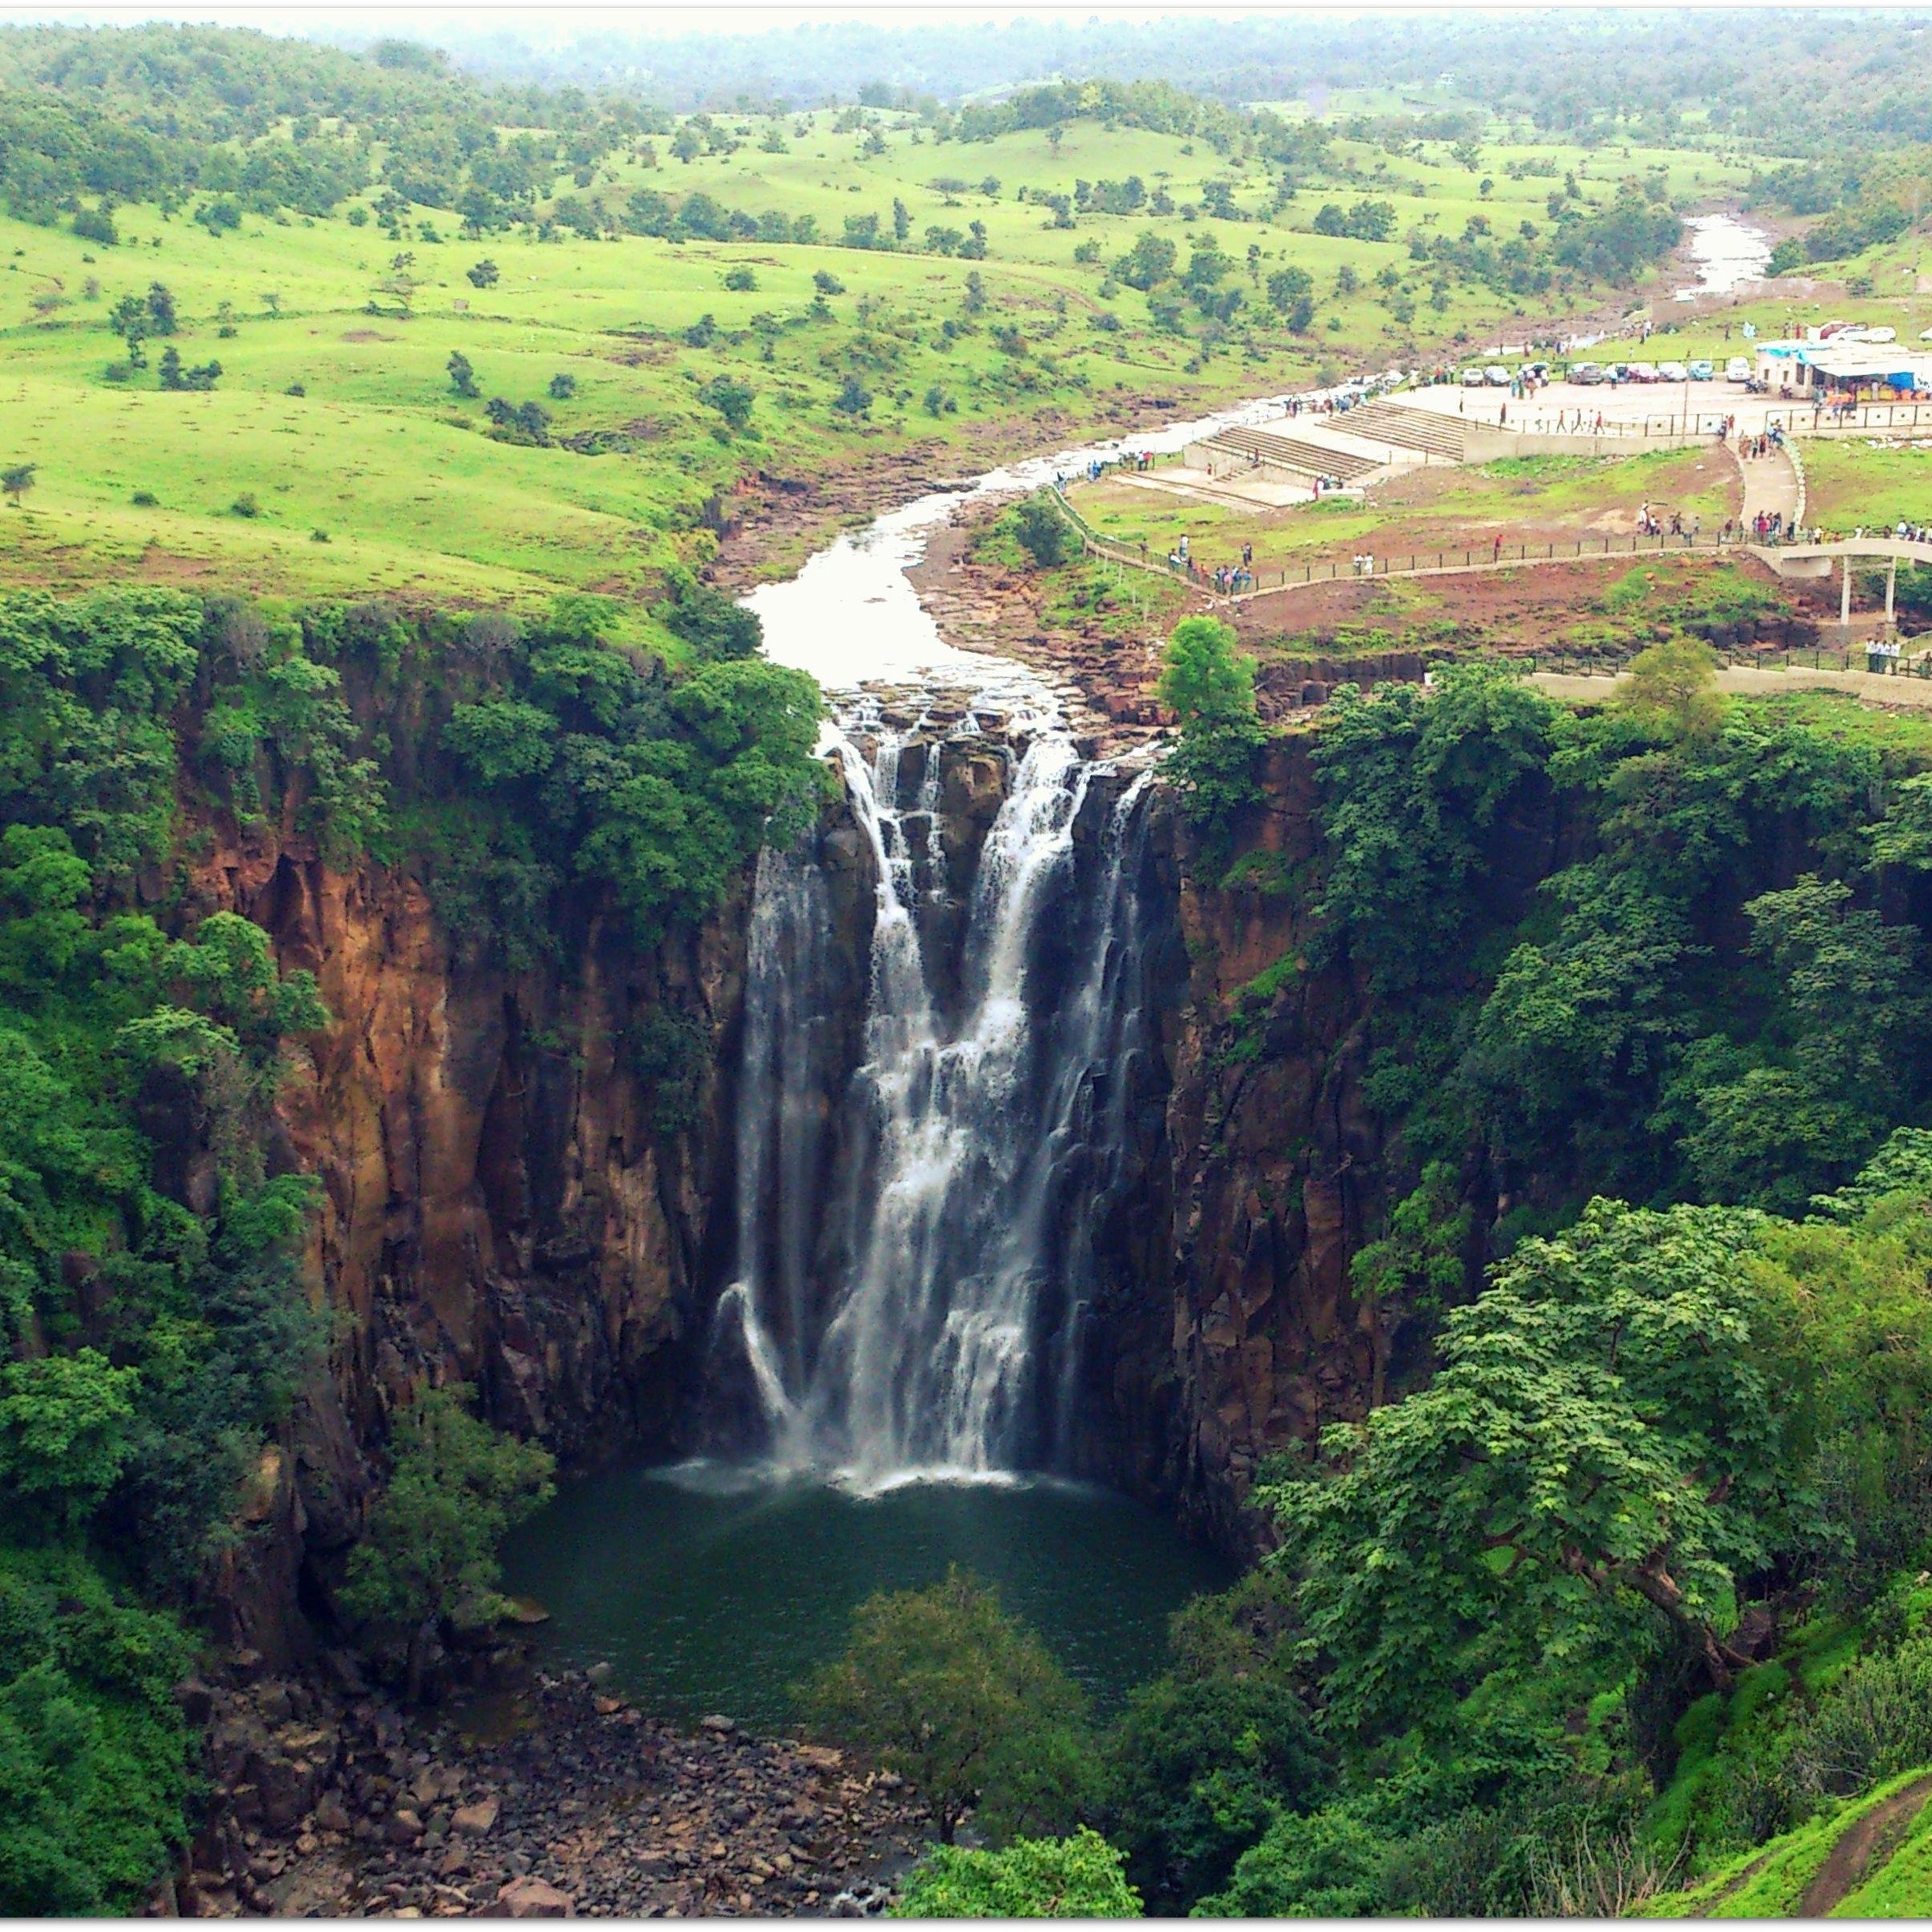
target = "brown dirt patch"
x: 368, y: 335
x: 1525, y: 607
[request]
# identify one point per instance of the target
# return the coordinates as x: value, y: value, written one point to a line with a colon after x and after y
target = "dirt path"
x: 1881, y: 1826
x: 1913, y: 694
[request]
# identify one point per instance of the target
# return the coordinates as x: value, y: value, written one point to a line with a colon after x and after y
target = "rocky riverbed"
x: 548, y: 1799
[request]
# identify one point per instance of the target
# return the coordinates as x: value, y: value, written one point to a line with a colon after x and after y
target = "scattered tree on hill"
x: 17, y: 480
x: 173, y: 375
x: 730, y: 398
x: 131, y: 320
x: 562, y: 386
x: 160, y: 309
x: 462, y: 376
x: 1041, y: 531
x: 482, y: 274
x: 946, y: 1690
x: 430, y: 1557
x: 826, y: 282
x: 853, y: 399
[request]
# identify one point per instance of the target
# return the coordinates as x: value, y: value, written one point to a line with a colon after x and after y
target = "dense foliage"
x: 153, y: 1329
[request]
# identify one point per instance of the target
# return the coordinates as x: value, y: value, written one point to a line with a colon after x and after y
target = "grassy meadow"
x: 334, y: 454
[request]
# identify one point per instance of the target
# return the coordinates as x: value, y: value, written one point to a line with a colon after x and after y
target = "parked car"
x: 1702, y: 368
x: 1672, y: 372
x: 1738, y: 369
x: 1496, y: 376
x: 1639, y: 372
x: 1473, y: 379
x: 1585, y: 372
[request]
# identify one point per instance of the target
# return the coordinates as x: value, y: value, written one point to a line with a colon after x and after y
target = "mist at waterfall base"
x: 709, y: 1588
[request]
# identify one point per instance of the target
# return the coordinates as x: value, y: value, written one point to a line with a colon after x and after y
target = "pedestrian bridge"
x: 1788, y: 559
x: 1815, y: 560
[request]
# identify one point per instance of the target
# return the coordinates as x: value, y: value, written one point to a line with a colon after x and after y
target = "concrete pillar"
x: 1890, y: 591
x: 1844, y: 597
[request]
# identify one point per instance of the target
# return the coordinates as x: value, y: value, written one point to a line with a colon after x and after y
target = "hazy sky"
x: 536, y: 18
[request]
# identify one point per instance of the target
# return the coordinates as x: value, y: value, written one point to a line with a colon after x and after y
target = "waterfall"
x: 913, y: 1274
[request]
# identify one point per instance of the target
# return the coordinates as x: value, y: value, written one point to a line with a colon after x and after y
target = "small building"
x: 1841, y: 371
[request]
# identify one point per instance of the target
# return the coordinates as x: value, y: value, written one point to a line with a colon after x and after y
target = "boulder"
x: 534, y: 1898
x: 477, y: 1820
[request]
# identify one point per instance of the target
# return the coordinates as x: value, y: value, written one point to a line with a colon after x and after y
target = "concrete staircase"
x: 1417, y: 429
x: 1299, y: 455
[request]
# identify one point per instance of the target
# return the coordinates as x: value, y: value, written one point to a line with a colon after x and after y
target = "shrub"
x: 1041, y: 531
x: 431, y: 1555
x: 245, y: 504
x: 1077, y: 1877
x: 741, y: 280
x: 946, y: 1690
x: 144, y: 499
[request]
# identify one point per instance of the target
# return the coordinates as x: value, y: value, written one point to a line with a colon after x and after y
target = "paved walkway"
x: 1773, y: 484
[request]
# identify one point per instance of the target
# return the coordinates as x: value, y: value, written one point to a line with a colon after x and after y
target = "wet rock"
x: 719, y: 1726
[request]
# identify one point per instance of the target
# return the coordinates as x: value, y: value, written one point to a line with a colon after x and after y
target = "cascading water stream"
x: 931, y: 1328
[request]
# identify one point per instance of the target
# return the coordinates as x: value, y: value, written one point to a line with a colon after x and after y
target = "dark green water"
x: 713, y: 1590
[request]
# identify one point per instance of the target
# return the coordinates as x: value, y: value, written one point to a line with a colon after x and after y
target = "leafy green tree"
x: 1671, y: 688
x: 1326, y: 1864
x: 946, y: 1690
x: 17, y: 479
x: 853, y: 399
x: 1209, y: 685
x: 1580, y: 1026
x: 1150, y: 260
x: 500, y: 739
x: 1077, y: 1877
x: 1041, y: 531
x: 65, y: 1431
x: 429, y: 1557
x: 1603, y: 1445
x: 462, y: 376
x: 1202, y: 1757
x: 483, y: 275
x: 1414, y: 783
x: 717, y: 627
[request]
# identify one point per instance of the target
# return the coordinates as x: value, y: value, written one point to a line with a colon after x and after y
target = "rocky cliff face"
x: 1265, y: 1174
x: 501, y: 1201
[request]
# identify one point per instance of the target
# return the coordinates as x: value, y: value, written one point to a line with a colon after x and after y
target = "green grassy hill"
x: 334, y: 453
